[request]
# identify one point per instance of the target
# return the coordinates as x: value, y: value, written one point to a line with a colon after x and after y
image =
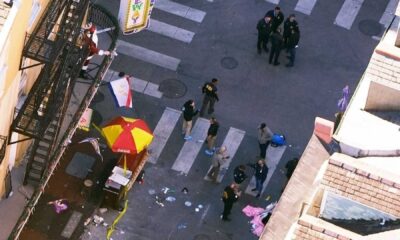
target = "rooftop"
x: 354, y: 194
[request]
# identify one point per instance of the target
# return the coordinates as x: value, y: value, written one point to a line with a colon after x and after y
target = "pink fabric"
x: 252, y: 211
x: 257, y: 225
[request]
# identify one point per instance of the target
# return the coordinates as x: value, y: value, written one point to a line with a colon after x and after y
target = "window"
x: 355, y: 216
x: 3, y: 71
x: 34, y: 13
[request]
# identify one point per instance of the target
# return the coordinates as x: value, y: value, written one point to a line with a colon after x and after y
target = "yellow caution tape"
x: 111, y: 229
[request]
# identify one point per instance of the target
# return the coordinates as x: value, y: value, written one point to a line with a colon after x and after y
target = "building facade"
x: 16, y: 21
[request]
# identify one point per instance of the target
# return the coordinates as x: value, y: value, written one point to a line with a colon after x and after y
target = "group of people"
x: 269, y: 30
x: 220, y: 155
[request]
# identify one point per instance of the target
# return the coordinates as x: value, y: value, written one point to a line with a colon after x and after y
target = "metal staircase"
x: 54, y: 43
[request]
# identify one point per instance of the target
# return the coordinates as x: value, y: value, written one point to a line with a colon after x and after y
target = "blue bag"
x: 278, y: 140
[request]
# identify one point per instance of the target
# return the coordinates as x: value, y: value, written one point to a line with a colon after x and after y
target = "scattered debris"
x: 152, y: 191
x: 200, y: 141
x: 89, y: 233
x: 159, y: 201
x: 197, y: 209
x: 200, y: 206
x: 98, y: 219
x: 170, y: 199
x: 185, y: 190
x: 105, y: 224
x: 60, y: 205
x: 122, y: 232
x: 188, y: 204
x: 268, y: 198
x: 87, y: 221
x: 182, y: 226
x: 103, y: 210
x: 166, y: 190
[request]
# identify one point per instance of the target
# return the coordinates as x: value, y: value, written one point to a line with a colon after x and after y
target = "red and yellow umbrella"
x: 127, y: 135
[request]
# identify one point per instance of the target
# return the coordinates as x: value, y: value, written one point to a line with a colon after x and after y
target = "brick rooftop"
x: 361, y: 186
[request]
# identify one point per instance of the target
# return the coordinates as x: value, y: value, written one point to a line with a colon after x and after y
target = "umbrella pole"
x: 124, y: 164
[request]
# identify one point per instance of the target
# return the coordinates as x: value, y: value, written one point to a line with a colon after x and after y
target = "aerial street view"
x: 199, y: 119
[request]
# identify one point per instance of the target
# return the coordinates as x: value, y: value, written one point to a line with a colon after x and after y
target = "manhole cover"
x: 229, y: 63
x: 201, y: 237
x: 98, y: 97
x: 370, y: 27
x: 97, y: 118
x: 172, y: 88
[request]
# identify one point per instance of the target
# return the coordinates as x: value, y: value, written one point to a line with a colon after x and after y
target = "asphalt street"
x: 221, y: 42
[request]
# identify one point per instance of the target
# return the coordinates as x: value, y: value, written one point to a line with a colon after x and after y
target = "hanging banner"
x: 121, y: 90
x: 84, y: 122
x: 134, y: 15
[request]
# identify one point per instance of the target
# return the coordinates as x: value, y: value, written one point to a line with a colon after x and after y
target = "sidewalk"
x: 45, y: 223
x: 13, y: 206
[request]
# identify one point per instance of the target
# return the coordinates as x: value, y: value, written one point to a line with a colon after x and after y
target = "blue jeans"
x: 259, y: 185
x: 292, y: 55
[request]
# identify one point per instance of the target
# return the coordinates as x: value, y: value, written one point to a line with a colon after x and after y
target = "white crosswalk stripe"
x: 389, y: 13
x: 170, y: 31
x: 180, y: 10
x: 191, y: 148
x: 273, y: 1
x: 147, y: 55
x: 232, y: 142
x: 305, y: 6
x: 162, y: 132
x: 273, y: 156
x: 348, y: 13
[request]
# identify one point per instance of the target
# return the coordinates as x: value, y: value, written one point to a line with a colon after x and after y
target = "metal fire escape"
x: 53, y: 44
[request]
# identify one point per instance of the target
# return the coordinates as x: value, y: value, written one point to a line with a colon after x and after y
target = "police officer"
x: 276, y: 17
x: 276, y: 46
x: 210, y: 96
x: 289, y: 25
x: 239, y: 174
x: 292, y: 43
x: 264, y: 30
x: 231, y: 194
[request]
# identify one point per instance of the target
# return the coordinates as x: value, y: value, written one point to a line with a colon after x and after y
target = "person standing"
x: 289, y: 25
x: 189, y: 111
x: 230, y: 195
x: 260, y: 176
x: 91, y: 39
x: 264, y: 30
x: 264, y: 138
x: 210, y: 96
x: 276, y: 46
x: 239, y: 174
x: 292, y: 44
x: 276, y: 17
x: 211, y: 136
x: 218, y: 160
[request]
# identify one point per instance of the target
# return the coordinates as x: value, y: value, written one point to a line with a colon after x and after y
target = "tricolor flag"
x: 121, y: 89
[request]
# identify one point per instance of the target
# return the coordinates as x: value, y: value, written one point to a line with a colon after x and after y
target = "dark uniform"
x: 276, y: 18
x: 210, y: 96
x: 264, y: 30
x: 229, y: 197
x: 288, y: 26
x: 292, y: 42
x: 239, y: 175
x: 276, y: 46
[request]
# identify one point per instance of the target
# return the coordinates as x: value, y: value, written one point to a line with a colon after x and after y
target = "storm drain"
x: 229, y: 63
x: 172, y: 88
x: 72, y: 224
